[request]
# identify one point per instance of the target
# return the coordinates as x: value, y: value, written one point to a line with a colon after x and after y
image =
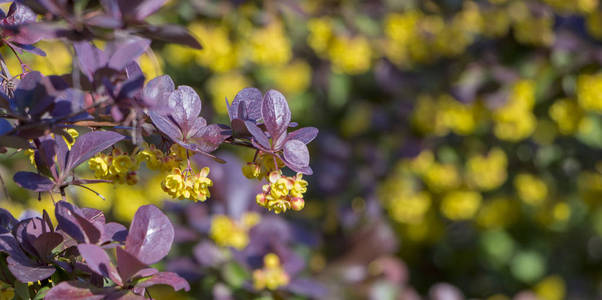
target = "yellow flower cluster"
x: 530, y: 189
x: 272, y: 276
x: 567, y: 114
x: 227, y: 232
x: 348, y: 54
x: 225, y: 86
x: 588, y: 92
x: 270, y: 46
x: 283, y: 193
x: 186, y: 185
x: 514, y: 121
x: 444, y: 114
x: 219, y: 54
x: 117, y: 166
x: 156, y: 160
x: 579, y: 6
x: 262, y: 167
x: 487, y: 172
x: 460, y: 204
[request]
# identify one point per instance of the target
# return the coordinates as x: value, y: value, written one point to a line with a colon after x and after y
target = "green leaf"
x: 41, y: 293
x: 21, y: 290
x: 235, y: 274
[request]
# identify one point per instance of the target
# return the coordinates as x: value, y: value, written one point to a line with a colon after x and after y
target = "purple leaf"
x: 114, y: 232
x: 151, y: 235
x: 276, y: 114
x: 93, y: 215
x: 33, y: 181
x: 27, y: 271
x: 7, y: 221
x: 165, y: 125
x: 195, y: 127
x: 127, y: 51
x: 258, y: 134
x: 157, y: 90
x: 90, y: 58
x: 296, y: 153
x: 171, y: 34
x: 127, y: 264
x: 167, y: 278
x: 88, y: 145
x: 210, y: 137
x: 73, y: 223
x: 46, y: 242
x: 98, y: 261
x: 306, y: 134
x: 147, y: 8
x: 73, y: 290
x: 185, y: 105
x: 250, y: 99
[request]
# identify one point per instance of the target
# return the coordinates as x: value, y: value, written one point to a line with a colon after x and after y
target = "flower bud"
x: 297, y: 203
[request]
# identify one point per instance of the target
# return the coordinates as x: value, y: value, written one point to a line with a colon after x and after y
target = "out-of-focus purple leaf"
x: 307, y: 287
x: 210, y: 137
x: 131, y: 87
x: 127, y: 264
x: 73, y: 290
x: 105, y: 21
x: 68, y: 102
x: 167, y: 278
x: 147, y: 8
x: 258, y: 135
x: 90, y: 58
x: 296, y: 153
x: 98, y: 261
x: 207, y: 254
x: 5, y: 126
x: 151, y: 235
x: 89, y: 144
x: 171, y: 34
x: 157, y: 89
x: 276, y: 114
x: 165, y: 125
x: 33, y: 181
x: 127, y: 51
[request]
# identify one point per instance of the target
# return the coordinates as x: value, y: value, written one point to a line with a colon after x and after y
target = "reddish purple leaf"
x: 98, y: 261
x: 296, y: 153
x: 210, y: 137
x: 167, y: 278
x: 33, y: 181
x: 258, y: 135
x: 171, y: 34
x: 7, y: 221
x: 151, y: 235
x: 276, y: 114
x: 73, y: 290
x: 127, y: 264
x: 73, y: 223
x: 88, y: 145
x: 114, y: 232
x: 28, y: 271
x: 195, y: 127
x: 250, y: 99
x: 305, y: 134
x: 185, y: 106
x: 165, y: 125
x: 45, y: 243
x: 90, y: 58
x: 147, y: 8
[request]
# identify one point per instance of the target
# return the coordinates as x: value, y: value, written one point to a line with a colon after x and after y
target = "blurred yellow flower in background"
x: 530, y: 189
x: 460, y: 204
x: 224, y: 86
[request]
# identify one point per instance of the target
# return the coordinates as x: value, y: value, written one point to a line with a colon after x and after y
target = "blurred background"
x: 459, y: 152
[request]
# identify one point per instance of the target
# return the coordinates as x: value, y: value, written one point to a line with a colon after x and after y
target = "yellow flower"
x: 536, y: 31
x: 74, y: 134
x: 551, y: 288
x: 497, y: 212
x: 567, y: 115
x: 515, y: 121
x: 320, y: 34
x: 219, y: 53
x: 409, y: 208
x: 224, y: 86
x: 589, y: 92
x: 151, y: 65
x: 293, y: 78
x: 530, y: 189
x: 201, y: 185
x: 120, y: 165
x: 350, y: 55
x: 299, y: 186
x: 31, y: 154
x: 594, y: 24
x: 442, y: 177
x: 487, y: 172
x: 173, y: 184
x: 460, y: 205
x: 270, y: 46
x: 226, y: 232
x: 251, y: 170
x: 99, y: 165
x: 272, y: 276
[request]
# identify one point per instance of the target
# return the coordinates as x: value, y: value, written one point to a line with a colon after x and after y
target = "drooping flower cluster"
x: 272, y: 276
x: 283, y: 193
x: 187, y: 185
x: 156, y: 160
